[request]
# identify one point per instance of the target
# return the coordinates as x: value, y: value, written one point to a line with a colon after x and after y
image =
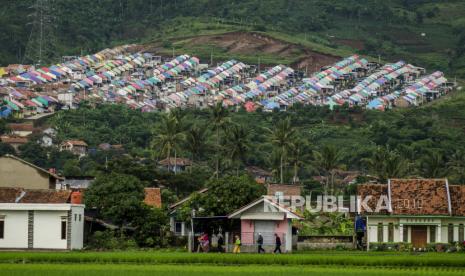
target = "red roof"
x: 417, y: 197
x: 17, y: 195
x: 176, y: 161
x: 76, y: 143
x: 13, y: 139
x: 153, y: 197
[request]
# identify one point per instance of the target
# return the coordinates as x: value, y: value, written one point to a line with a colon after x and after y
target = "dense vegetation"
x: 427, y: 142
x: 295, y: 145
x: 426, y: 32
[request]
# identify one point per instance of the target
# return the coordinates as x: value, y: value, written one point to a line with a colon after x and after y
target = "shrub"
x: 390, y: 246
x: 108, y: 240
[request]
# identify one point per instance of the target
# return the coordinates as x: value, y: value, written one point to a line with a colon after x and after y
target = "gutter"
x: 389, y: 196
x: 449, y: 205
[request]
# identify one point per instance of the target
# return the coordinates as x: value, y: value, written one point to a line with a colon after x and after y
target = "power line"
x: 41, y: 45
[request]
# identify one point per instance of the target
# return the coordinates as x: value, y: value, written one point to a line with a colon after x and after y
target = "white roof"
x: 39, y: 206
x: 265, y: 215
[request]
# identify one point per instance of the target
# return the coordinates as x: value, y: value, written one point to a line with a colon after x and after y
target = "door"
x: 419, y: 236
x: 267, y: 229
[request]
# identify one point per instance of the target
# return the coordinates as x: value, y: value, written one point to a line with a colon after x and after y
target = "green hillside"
x: 426, y: 32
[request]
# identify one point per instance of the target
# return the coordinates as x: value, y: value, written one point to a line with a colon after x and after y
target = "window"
x: 2, y: 229
x: 432, y: 233
x: 380, y: 232
x: 405, y: 234
x: 63, y: 228
x: 80, y: 217
x: 178, y: 227
x: 75, y: 217
x: 461, y: 233
x: 450, y: 232
x: 391, y: 232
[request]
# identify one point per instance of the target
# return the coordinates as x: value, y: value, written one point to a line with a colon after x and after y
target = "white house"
x: 417, y: 211
x: 40, y: 219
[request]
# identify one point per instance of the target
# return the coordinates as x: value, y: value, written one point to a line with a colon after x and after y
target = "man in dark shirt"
x: 260, y: 243
x: 278, y: 244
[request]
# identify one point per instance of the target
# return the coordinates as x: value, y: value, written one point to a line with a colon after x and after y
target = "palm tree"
x: 376, y: 163
x: 297, y: 156
x: 168, y: 136
x: 218, y: 118
x: 237, y: 145
x: 457, y: 165
x: 395, y: 165
x: 386, y: 164
x: 281, y: 137
x: 195, y: 139
x: 327, y: 160
x: 433, y: 166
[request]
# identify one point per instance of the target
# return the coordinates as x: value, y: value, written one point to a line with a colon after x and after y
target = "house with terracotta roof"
x: 261, y: 176
x: 77, y: 147
x: 414, y: 211
x: 21, y: 129
x: 175, y: 164
x: 14, y: 141
x: 40, y: 219
x: 18, y: 173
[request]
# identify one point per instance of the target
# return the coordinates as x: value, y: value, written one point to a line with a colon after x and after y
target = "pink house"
x: 266, y: 217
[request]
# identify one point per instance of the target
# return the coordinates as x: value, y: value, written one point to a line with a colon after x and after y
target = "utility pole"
x: 41, y: 45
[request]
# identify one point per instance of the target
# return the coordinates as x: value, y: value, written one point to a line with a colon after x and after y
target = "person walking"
x: 260, y: 243
x: 237, y: 245
x: 220, y: 242
x: 278, y: 244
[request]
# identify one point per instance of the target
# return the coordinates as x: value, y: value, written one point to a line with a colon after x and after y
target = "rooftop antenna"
x: 42, y: 41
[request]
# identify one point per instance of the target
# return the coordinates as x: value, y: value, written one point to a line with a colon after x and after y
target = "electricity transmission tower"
x: 41, y: 46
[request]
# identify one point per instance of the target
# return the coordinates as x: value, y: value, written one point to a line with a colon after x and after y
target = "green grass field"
x: 171, y: 263
x: 139, y: 270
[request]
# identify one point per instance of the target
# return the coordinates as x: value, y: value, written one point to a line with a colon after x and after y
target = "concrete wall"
x: 47, y: 230
x: 14, y: 173
x: 15, y: 235
x: 77, y: 227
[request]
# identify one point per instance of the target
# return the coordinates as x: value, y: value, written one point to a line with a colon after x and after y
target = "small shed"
x: 268, y: 218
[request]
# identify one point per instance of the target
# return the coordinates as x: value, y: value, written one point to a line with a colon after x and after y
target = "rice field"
x: 170, y: 263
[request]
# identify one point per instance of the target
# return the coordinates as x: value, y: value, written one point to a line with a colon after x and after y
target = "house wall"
x: 247, y: 231
x: 47, y: 230
x: 15, y: 174
x: 15, y: 235
x: 77, y: 227
x: 441, y: 232
x: 445, y: 225
x: 372, y: 229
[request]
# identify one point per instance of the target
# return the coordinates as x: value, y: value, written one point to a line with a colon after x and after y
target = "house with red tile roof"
x: 32, y: 219
x: 77, y: 147
x: 175, y: 164
x: 415, y: 211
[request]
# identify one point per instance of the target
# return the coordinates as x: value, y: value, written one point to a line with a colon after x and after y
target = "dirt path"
x: 250, y: 43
